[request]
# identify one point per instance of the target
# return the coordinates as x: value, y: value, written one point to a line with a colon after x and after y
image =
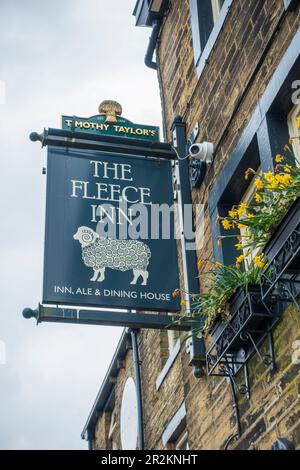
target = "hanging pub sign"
x: 109, y: 238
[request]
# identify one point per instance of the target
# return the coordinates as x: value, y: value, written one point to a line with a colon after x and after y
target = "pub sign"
x: 109, y: 238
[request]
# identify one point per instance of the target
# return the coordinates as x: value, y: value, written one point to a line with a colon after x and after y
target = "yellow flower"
x: 238, y: 265
x: 239, y: 259
x: 287, y: 168
x: 269, y: 177
x: 287, y: 179
x: 239, y: 246
x: 241, y: 226
x: 258, y: 183
x: 200, y: 263
x: 226, y: 224
x: 218, y: 265
x: 258, y: 197
x: 298, y: 122
x: 259, y: 261
x: 250, y: 216
x: 278, y: 158
x: 242, y: 209
x: 183, y: 302
x: 233, y: 213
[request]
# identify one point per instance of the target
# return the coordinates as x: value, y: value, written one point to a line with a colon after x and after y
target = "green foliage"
x: 222, y: 282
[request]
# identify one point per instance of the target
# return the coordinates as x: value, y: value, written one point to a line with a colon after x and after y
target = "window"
x: 207, y: 16
x: 294, y: 131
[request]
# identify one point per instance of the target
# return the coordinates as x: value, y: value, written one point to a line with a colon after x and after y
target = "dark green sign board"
x: 98, y: 252
x: 120, y: 128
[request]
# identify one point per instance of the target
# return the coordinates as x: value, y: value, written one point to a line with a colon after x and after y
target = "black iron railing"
x: 254, y: 313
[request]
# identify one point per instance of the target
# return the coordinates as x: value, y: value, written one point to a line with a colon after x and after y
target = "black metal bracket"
x: 105, y: 143
x: 197, y: 172
x: 107, y: 318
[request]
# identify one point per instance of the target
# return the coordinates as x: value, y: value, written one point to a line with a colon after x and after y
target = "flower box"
x: 249, y: 321
x: 253, y: 313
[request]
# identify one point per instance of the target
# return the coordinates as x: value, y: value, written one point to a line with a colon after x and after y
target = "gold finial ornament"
x: 111, y: 109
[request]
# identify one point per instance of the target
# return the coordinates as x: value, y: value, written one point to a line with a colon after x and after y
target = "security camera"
x: 203, y: 151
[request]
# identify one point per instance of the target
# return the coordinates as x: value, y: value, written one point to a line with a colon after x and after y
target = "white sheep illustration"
x: 123, y: 255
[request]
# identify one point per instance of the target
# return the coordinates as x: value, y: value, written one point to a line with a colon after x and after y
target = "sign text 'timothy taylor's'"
x: 110, y: 192
x: 117, y: 128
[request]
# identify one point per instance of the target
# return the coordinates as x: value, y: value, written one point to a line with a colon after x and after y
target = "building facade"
x: 231, y: 70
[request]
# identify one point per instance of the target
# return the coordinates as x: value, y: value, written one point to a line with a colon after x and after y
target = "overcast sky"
x: 58, y: 57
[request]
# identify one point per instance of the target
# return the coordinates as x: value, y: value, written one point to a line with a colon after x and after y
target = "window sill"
x: 168, y: 365
x: 213, y: 37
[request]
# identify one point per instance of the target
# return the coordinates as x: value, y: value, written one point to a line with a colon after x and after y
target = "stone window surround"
x: 170, y: 361
x: 175, y: 426
x: 205, y: 53
x: 265, y: 127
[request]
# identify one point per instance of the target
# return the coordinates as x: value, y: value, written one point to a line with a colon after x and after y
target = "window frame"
x: 294, y: 131
x: 202, y: 52
x: 216, y: 9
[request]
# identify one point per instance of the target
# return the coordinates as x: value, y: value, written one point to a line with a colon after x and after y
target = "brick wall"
x: 241, y: 64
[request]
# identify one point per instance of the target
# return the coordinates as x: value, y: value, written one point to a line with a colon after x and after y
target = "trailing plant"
x: 221, y: 282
